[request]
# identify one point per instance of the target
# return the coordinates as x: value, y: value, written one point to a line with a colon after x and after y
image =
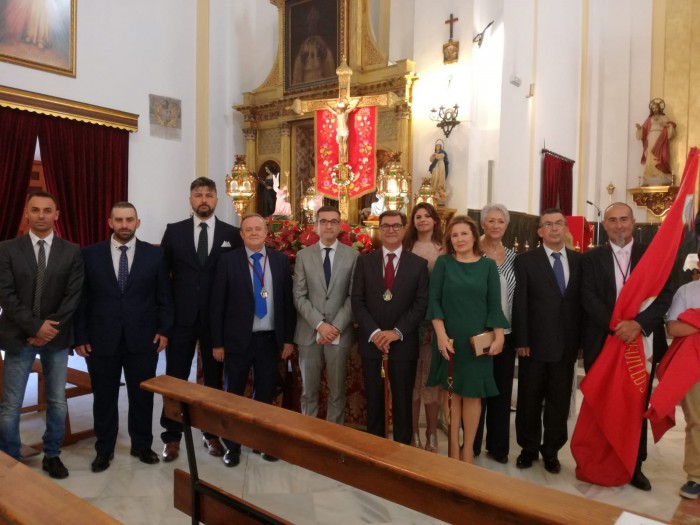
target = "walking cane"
x: 387, y: 392
x: 449, y: 399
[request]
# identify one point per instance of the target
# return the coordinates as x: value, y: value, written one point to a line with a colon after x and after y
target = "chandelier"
x: 240, y: 185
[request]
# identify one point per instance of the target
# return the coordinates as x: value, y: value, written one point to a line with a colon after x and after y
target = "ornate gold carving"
x: 387, y: 130
x: 269, y: 141
x: 250, y: 133
x: 285, y: 129
x: 656, y: 199
x: 64, y: 108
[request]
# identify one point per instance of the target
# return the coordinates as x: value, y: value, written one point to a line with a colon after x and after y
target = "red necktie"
x: 389, y: 272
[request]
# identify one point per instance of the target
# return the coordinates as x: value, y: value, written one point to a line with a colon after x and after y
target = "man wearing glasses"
x: 389, y: 300
x: 605, y: 270
x: 546, y: 313
x: 322, y: 276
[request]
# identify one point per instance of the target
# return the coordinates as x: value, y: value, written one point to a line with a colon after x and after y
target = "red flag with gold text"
x: 605, y: 442
x: 361, y: 151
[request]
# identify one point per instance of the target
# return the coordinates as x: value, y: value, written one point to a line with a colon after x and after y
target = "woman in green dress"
x: 465, y: 300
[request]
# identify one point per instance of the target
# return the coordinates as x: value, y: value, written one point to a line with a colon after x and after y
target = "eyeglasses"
x: 548, y: 225
x: 326, y: 222
x: 386, y: 227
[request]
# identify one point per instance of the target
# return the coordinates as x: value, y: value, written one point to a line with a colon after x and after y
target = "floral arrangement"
x: 291, y: 238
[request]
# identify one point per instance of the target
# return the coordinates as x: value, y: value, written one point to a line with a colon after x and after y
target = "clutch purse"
x: 481, y: 343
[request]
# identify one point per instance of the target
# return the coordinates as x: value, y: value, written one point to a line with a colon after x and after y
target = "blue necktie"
x: 327, y: 266
x: 258, y: 276
x: 123, y: 268
x: 558, y: 268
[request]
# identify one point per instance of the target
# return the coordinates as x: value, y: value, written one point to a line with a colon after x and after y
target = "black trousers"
x: 105, y: 374
x: 179, y: 355
x: 262, y: 356
x: 551, y: 384
x: 495, y: 410
x: 402, y: 377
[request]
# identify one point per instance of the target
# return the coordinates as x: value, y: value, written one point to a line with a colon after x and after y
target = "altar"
x: 316, y: 68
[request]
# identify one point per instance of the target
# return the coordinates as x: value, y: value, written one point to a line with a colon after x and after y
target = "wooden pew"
x: 437, y: 486
x: 30, y: 498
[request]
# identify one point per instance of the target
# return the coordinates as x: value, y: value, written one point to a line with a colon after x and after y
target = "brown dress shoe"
x: 213, y: 446
x: 171, y: 451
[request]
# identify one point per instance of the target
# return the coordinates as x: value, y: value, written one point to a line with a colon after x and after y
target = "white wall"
x: 126, y: 50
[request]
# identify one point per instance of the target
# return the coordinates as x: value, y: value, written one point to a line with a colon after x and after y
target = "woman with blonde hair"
x: 465, y: 300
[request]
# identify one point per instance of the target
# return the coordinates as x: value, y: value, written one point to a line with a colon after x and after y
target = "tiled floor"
x: 141, y: 494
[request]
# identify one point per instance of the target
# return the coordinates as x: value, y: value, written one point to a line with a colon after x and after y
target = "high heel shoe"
x: 431, y: 443
x: 416, y: 440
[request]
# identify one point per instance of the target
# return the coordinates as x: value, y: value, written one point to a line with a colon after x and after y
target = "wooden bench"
x: 30, y: 498
x: 437, y: 486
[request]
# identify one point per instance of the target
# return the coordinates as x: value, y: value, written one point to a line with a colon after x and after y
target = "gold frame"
x: 64, y: 108
x: 13, y: 52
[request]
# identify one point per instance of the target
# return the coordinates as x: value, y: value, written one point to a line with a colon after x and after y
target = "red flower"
x: 308, y: 237
x: 344, y: 237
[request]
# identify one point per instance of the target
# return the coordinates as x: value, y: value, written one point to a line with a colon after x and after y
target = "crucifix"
x: 450, y: 50
x: 342, y: 107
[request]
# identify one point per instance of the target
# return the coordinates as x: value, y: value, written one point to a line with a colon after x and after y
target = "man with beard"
x: 123, y: 322
x: 192, y: 248
x: 605, y: 270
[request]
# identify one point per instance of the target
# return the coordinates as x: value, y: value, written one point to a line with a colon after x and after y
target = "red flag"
x: 606, y: 438
x: 361, y: 151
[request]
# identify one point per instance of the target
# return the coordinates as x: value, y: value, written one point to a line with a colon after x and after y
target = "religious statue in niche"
x: 439, y: 169
x: 282, y: 207
x: 655, y: 134
x: 268, y: 194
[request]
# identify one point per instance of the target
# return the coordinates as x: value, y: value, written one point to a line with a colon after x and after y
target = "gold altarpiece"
x: 275, y: 134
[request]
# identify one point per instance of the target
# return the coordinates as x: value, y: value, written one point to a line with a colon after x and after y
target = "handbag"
x: 481, y: 343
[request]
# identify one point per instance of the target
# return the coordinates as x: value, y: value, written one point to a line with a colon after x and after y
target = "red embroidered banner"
x: 361, y: 151
x: 606, y: 438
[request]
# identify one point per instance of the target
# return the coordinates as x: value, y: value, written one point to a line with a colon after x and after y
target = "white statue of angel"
x: 282, y: 207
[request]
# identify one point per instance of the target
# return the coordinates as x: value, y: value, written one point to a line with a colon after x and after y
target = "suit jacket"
x: 107, y: 314
x: 191, y: 283
x: 63, y: 283
x: 543, y: 319
x: 317, y: 303
x: 233, y: 304
x: 405, y: 311
x: 599, y: 294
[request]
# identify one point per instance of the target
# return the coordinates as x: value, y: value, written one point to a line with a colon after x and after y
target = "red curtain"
x: 18, y: 134
x: 86, y: 168
x: 557, y: 183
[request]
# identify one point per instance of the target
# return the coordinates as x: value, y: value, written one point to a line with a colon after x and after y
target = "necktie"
x: 258, y: 276
x: 203, y: 244
x: 327, y: 266
x: 40, y: 271
x: 389, y: 272
x: 558, y: 268
x: 123, y: 268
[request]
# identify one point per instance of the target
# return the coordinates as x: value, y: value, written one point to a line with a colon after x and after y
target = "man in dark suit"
x: 252, y: 318
x: 322, y: 276
x: 123, y: 322
x: 192, y: 249
x: 389, y: 299
x: 605, y: 270
x: 41, y: 278
x: 546, y: 330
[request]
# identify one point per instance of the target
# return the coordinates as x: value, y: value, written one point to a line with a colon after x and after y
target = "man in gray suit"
x: 322, y: 276
x: 41, y: 280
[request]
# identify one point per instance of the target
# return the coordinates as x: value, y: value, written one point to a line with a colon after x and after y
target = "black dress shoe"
x: 55, y: 467
x: 640, y: 481
x: 498, y: 459
x: 269, y: 457
x: 145, y: 456
x: 101, y: 462
x: 231, y: 458
x: 524, y: 460
x: 552, y: 465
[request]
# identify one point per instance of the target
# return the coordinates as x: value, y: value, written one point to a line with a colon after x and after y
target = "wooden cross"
x: 451, y: 21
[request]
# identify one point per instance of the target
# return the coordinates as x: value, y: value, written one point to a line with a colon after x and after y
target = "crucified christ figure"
x: 342, y: 109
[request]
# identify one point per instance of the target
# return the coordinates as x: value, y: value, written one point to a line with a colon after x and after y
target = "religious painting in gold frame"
x: 312, y: 43
x: 39, y: 34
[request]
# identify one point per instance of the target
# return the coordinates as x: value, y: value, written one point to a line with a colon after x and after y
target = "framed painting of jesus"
x: 39, y: 34
x: 311, y: 48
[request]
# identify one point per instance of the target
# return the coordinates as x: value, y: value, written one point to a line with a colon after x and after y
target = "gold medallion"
x: 264, y: 293
x: 387, y: 295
